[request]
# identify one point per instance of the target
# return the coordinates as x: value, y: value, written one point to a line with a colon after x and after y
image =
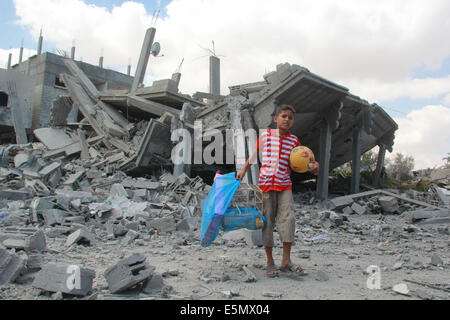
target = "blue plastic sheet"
x: 215, y: 206
x: 235, y: 219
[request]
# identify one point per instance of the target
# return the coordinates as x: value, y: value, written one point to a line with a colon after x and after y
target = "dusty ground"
x: 336, y: 269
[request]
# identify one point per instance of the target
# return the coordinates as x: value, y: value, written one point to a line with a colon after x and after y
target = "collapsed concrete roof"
x: 313, y: 98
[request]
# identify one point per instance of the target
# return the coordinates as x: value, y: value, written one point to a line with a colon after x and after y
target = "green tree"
x: 400, y: 167
x: 447, y: 160
x: 369, y: 160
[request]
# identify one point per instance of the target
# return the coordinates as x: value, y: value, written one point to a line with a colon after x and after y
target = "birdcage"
x: 246, y: 209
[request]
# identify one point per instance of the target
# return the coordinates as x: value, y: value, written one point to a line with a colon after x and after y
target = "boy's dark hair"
x: 284, y: 107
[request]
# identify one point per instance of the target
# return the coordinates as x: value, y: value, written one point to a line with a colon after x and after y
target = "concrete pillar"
x: 129, y: 70
x: 329, y: 123
x: 100, y: 62
x: 21, y: 54
x: 40, y: 41
x: 251, y: 145
x: 187, y: 116
x: 214, y: 75
x: 176, y: 77
x: 380, y: 164
x: 324, y: 160
x: 9, y: 60
x: 356, y: 161
x: 143, y: 59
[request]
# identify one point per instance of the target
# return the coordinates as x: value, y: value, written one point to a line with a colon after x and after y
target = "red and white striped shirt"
x: 275, y: 173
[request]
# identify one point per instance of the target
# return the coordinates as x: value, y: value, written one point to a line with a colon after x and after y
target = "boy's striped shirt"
x: 275, y: 173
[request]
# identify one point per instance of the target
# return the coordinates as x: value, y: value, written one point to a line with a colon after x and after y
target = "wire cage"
x: 246, y: 208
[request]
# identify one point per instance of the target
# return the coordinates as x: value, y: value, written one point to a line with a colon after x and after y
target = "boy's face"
x: 284, y: 120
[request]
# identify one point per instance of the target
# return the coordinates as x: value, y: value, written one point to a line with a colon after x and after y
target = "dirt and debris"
x: 139, y: 238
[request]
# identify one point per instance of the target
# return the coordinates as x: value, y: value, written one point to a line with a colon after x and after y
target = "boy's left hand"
x: 315, y: 170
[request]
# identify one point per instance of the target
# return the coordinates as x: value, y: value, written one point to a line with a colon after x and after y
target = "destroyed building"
x: 36, y: 83
x: 138, y: 121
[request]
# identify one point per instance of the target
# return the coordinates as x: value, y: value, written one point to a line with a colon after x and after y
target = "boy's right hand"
x: 240, y: 175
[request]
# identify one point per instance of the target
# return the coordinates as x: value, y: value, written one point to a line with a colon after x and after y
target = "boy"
x: 276, y: 184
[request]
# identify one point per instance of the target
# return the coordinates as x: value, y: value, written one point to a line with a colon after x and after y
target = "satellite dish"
x: 156, y: 48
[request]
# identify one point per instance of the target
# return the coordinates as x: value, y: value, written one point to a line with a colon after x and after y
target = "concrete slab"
x: 28, y: 239
x: 11, y: 266
x: 73, y: 280
x: 54, y: 138
x: 80, y: 237
x: 339, y: 203
x: 127, y: 273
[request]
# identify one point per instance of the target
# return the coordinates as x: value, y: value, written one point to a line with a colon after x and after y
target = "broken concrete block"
x: 28, y: 239
x: 117, y: 229
x: 358, y: 209
x: 401, y: 288
x: 54, y: 178
x: 347, y: 210
x: 11, y: 265
x: 436, y: 260
x: 33, y: 262
x: 15, y: 195
x: 54, y: 138
x: 154, y: 285
x: 74, y: 178
x: 339, y: 203
x: 117, y: 189
x: 425, y: 214
x: 388, y: 204
x: 131, y: 235
x: 163, y: 224
x: 48, y: 170
x: 183, y: 225
x: 20, y: 159
x: 336, y: 218
x: 38, y: 206
x: 76, y: 204
x: 80, y: 237
x: 127, y: 273
x: 253, y: 237
x: 54, y: 216
x: 68, y: 279
x: 143, y: 194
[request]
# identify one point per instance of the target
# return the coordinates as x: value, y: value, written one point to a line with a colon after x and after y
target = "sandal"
x: 291, y: 267
x: 271, y: 271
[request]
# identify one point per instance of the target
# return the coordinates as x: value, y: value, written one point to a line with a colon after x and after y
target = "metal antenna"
x: 179, y: 67
x: 155, y: 16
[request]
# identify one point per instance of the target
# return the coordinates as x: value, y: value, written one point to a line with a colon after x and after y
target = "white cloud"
x: 424, y: 134
x: 447, y: 100
x: 345, y: 41
x: 378, y: 90
x: 4, y: 56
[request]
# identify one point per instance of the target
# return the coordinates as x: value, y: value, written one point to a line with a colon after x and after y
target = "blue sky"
x: 15, y: 33
x: 394, y: 53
